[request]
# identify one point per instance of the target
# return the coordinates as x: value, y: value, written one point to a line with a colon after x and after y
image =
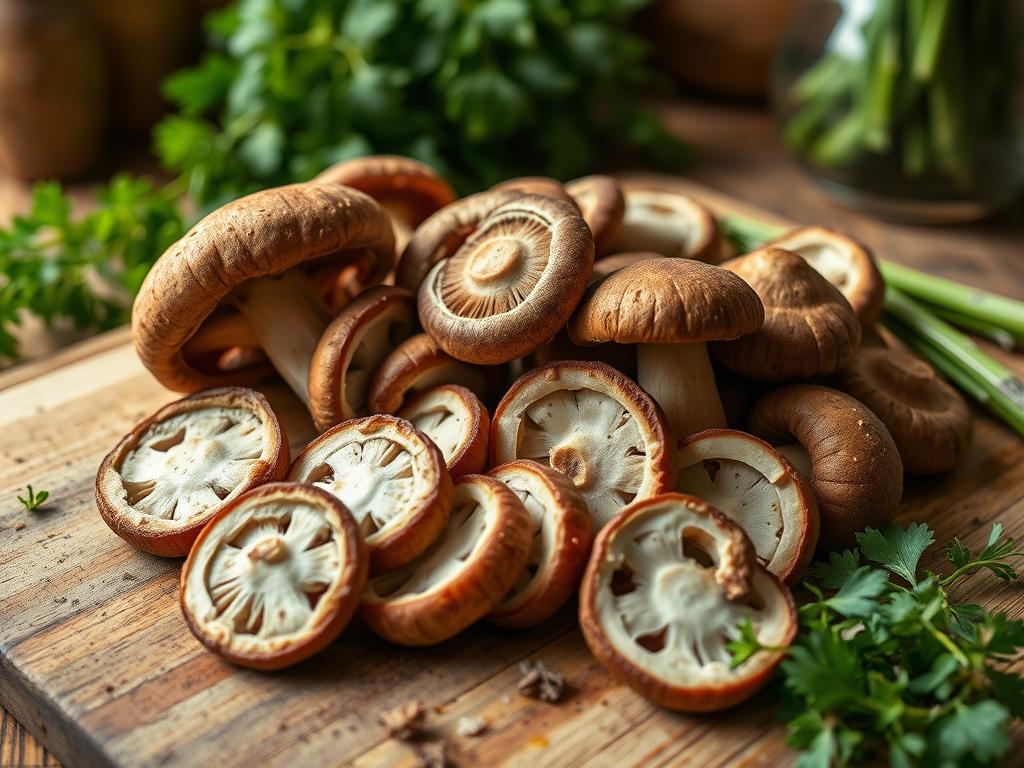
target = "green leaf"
x: 896, y: 548
x: 744, y: 646
x: 958, y: 553
x: 840, y: 566
x: 1007, y: 689
x: 977, y: 730
x: 941, y: 670
x: 857, y: 595
x: 367, y: 21
x: 198, y: 89
x: 263, y: 149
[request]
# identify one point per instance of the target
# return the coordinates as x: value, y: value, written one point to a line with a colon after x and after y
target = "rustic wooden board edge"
x: 34, y: 369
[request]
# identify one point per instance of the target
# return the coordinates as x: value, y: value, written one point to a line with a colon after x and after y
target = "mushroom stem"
x: 680, y: 378
x: 798, y: 456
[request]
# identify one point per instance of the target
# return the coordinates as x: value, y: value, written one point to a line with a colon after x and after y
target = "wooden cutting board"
x: 96, y: 660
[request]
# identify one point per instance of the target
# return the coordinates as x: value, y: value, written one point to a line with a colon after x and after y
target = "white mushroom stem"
x: 680, y: 378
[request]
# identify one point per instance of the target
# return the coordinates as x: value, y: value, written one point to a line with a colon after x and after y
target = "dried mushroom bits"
x: 465, y: 573
x: 561, y: 543
x: 667, y: 587
x: 754, y: 485
x: 275, y: 577
x: 513, y: 283
x: 602, y: 204
x: 390, y: 476
x: 592, y: 424
x: 670, y: 224
x: 457, y: 422
x: 170, y: 474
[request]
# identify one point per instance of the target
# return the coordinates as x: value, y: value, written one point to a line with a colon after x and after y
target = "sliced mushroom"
x: 467, y: 571
x: 351, y: 349
x: 562, y: 535
x: 275, y: 577
x: 603, y: 206
x: 390, y: 476
x: 668, y: 584
x: 756, y: 487
x: 593, y: 425
x: 512, y: 285
x: 536, y: 185
x: 457, y: 422
x: 927, y: 418
x: 167, y: 477
x: 668, y: 223
x: 842, y: 448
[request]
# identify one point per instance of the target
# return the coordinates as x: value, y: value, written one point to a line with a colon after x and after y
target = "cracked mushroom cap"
x: 512, y: 285
x: 167, y: 477
x: 469, y: 569
x: 668, y: 584
x: 562, y: 535
x: 757, y: 488
x: 844, y: 262
x: 351, y: 349
x: 390, y: 476
x: 668, y: 223
x: 594, y: 425
x: 842, y: 448
x: 603, y: 206
x: 260, y: 235
x: 927, y: 418
x: 457, y: 422
x: 275, y: 577
x: 809, y: 329
x: 536, y: 185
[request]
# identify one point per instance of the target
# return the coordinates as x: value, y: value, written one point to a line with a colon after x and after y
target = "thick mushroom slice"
x: 668, y: 585
x: 668, y: 223
x: 390, y: 476
x: 167, y: 477
x: 275, y: 577
x: 593, y: 425
x: 755, y: 486
x: 457, y: 422
x: 562, y: 535
x: 842, y: 449
x: 603, y: 206
x: 536, y: 185
x: 472, y: 565
x: 927, y: 418
x: 512, y: 285
x: 351, y: 349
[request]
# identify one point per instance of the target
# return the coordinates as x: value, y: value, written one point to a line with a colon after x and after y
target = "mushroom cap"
x: 166, y: 478
x: 668, y: 584
x: 844, y: 262
x: 512, y: 285
x: 275, y: 577
x: 391, y: 477
x: 594, y: 425
x: 756, y: 487
x: 536, y: 185
x: 352, y: 347
x: 607, y: 265
x: 469, y: 569
x: 457, y: 422
x: 562, y: 535
x: 259, y: 235
x: 603, y: 206
x: 856, y: 472
x: 928, y: 419
x: 669, y: 223
x: 666, y: 301
x: 809, y: 329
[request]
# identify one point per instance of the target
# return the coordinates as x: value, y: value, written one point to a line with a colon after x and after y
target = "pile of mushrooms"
x: 485, y: 452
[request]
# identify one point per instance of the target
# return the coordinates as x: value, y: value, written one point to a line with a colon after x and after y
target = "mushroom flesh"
x: 457, y: 422
x: 668, y: 223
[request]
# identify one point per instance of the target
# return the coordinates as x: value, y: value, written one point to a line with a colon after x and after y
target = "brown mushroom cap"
x: 167, y: 477
x: 275, y: 577
x: 847, y: 454
x: 457, y: 422
x: 607, y: 265
x: 928, y: 419
x: 512, y: 285
x: 669, y: 223
x: 603, y: 206
x: 352, y: 347
x: 809, y: 329
x: 536, y: 185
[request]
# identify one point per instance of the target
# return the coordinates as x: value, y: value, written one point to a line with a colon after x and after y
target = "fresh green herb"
x: 33, y: 500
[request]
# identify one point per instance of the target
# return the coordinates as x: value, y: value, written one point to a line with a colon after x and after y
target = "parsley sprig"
x: 33, y: 500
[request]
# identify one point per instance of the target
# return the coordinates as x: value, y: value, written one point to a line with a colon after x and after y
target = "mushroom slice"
x: 592, y: 424
x: 668, y: 585
x: 457, y: 422
x: 416, y: 365
x: 562, y: 535
x: 512, y: 285
x: 668, y: 223
x: 465, y: 573
x: 390, y: 476
x: 842, y: 448
x: 755, y: 486
x: 275, y: 577
x: 167, y: 477
x: 844, y: 262
x: 352, y: 347
x: 603, y: 206
x: 536, y: 185
x: 927, y: 418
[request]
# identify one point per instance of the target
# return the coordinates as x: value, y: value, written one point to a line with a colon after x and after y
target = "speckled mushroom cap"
x: 263, y: 234
x: 603, y: 206
x: 844, y: 450
x: 536, y: 185
x: 809, y: 329
x: 669, y: 223
x: 928, y: 419
x: 512, y: 285
x: 457, y: 422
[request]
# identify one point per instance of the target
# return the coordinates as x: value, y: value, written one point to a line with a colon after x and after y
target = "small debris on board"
x: 433, y: 754
x: 405, y: 721
x: 538, y: 681
x: 19, y: 526
x: 471, y: 726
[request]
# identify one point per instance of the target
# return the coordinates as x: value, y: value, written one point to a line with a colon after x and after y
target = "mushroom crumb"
x: 19, y: 526
x: 405, y: 721
x: 434, y: 754
x: 471, y: 726
x: 538, y: 681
